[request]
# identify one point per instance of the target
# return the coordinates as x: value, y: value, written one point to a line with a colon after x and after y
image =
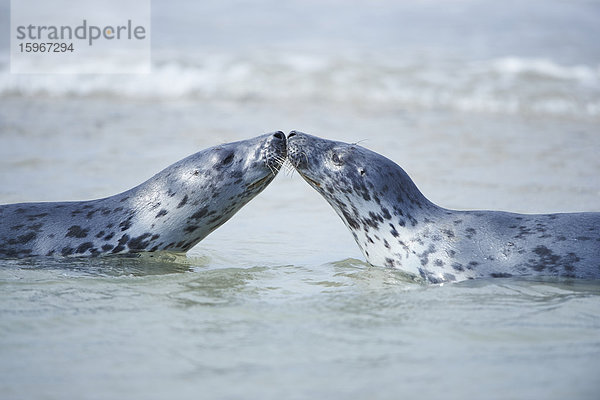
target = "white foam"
x: 507, y: 85
x: 514, y: 67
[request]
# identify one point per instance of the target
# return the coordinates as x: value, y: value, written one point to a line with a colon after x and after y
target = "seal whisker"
x: 359, y: 142
x: 287, y: 167
x: 273, y: 169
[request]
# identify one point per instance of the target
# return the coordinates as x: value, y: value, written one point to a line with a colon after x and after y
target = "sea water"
x: 486, y: 105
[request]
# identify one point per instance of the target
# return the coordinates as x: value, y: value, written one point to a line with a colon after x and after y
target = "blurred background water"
x: 487, y: 105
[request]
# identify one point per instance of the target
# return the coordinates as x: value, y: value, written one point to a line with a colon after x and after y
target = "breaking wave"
x: 505, y: 85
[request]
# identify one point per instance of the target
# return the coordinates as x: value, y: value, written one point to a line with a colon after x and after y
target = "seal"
x: 171, y: 211
x: 396, y: 226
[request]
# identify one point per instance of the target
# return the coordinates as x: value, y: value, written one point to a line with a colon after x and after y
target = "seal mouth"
x: 311, y: 181
x: 258, y: 183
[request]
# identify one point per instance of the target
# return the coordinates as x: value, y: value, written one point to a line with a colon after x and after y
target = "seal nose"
x: 279, y: 135
x: 292, y: 133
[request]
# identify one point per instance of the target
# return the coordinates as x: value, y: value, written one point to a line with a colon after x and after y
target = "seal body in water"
x: 396, y: 226
x: 171, y: 211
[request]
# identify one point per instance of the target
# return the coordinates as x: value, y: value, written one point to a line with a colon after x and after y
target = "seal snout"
x: 296, y: 153
x: 275, y: 151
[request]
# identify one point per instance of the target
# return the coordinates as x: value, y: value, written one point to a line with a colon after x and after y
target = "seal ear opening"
x: 362, y: 171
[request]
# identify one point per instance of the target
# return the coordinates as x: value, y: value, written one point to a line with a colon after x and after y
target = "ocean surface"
x: 486, y: 105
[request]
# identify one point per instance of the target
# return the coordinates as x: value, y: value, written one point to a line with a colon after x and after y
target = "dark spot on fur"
x: 28, y: 237
x: 36, y: 216
x: 457, y: 266
x: 161, y: 213
x: 523, y: 231
x: 84, y: 247
x: 545, y: 258
x: 66, y: 251
x: 385, y: 213
x: 448, y: 277
x: 140, y: 242
x: 76, y: 232
x: 449, y: 233
x: 500, y: 275
x: 199, y: 214
x: 424, y: 257
x: 350, y: 220
x: 470, y: 232
x: 125, y: 224
x: 438, y: 263
x: 191, y: 228
x: 183, y: 201
x: 472, y: 264
x: 107, y: 247
x: 100, y: 234
x: 121, y: 244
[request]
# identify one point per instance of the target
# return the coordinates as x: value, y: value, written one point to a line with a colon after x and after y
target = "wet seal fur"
x: 172, y: 211
x: 396, y: 226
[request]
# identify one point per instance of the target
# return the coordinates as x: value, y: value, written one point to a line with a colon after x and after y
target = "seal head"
x: 172, y: 211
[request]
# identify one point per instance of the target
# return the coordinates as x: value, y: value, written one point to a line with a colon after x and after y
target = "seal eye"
x: 336, y: 159
x: 228, y: 159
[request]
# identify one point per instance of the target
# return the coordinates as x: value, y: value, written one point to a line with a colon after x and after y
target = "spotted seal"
x: 171, y: 211
x: 396, y: 226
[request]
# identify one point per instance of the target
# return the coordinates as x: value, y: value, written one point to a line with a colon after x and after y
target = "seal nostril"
x: 279, y: 135
x: 292, y: 133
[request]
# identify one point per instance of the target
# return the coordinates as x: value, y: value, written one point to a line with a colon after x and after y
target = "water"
x: 485, y: 105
